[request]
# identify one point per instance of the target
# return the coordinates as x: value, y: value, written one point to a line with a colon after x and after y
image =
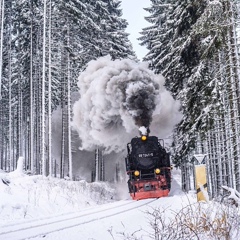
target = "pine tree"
x: 73, y: 33
x: 114, y: 38
x: 192, y: 53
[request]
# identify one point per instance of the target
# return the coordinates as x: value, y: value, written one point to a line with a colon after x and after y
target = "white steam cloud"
x: 116, y: 99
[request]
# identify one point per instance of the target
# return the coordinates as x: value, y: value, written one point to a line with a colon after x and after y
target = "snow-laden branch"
x: 234, y: 194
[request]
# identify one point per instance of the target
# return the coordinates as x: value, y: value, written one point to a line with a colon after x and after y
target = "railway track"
x: 44, y: 226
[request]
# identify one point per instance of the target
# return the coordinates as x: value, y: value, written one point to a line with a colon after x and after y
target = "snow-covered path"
x: 41, y: 227
x: 118, y: 220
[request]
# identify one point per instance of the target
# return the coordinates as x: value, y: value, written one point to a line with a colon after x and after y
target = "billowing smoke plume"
x: 116, y: 98
x: 139, y: 91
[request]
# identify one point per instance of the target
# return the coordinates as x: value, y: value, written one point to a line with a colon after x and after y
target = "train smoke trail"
x: 116, y: 98
x: 139, y: 92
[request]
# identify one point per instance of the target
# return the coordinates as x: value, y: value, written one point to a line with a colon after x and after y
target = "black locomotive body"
x: 148, y: 168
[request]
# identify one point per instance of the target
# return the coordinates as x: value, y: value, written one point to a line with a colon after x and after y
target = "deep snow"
x: 58, y: 209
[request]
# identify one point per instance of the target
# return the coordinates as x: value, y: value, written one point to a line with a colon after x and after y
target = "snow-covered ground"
x: 36, y: 207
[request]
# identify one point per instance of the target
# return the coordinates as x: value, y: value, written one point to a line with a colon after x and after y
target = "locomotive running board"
x: 150, y: 194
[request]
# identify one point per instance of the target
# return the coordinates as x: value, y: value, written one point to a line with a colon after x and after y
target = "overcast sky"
x: 134, y: 13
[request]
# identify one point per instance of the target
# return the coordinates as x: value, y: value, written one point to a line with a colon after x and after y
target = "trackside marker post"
x: 201, y: 182
x: 199, y: 161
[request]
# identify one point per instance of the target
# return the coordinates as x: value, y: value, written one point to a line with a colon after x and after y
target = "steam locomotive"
x: 148, y: 168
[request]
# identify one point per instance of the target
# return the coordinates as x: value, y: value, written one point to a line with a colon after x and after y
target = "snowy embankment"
x: 28, y: 197
x: 36, y: 207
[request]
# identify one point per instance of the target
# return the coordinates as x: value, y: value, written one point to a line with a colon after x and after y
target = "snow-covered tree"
x: 45, y: 45
x: 198, y: 55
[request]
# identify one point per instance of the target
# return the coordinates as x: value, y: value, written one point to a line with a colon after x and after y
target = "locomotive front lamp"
x: 157, y: 171
x: 144, y: 138
x: 136, y: 173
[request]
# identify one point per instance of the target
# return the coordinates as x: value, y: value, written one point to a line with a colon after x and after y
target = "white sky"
x: 134, y: 13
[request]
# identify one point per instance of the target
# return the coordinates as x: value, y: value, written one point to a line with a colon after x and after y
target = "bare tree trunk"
x: 31, y: 147
x: 117, y: 172
x: 1, y: 44
x: 233, y: 114
x: 211, y: 164
x: 43, y: 158
x: 217, y: 157
x: 38, y: 120
x: 62, y: 163
x: 69, y: 129
x: 3, y: 164
x: 20, y: 125
x: 97, y: 164
x: 69, y: 109
x: 50, y: 98
x: 102, y: 168
x: 185, y: 175
x: 11, y: 167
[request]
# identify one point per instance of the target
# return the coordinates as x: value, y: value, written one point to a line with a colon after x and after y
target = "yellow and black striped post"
x: 201, y: 180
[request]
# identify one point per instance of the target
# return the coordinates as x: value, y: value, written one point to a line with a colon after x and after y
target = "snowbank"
x: 26, y: 197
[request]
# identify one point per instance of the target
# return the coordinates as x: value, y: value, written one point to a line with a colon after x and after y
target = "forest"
x: 44, y: 45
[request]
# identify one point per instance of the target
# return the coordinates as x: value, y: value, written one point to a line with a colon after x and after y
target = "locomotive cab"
x: 148, y: 168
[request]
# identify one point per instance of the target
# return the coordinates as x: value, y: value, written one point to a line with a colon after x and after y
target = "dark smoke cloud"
x: 140, y: 99
x: 116, y: 98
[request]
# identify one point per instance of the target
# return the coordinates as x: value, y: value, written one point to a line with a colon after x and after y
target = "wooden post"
x: 201, y: 182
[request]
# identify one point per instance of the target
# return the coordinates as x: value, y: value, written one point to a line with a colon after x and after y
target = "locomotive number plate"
x: 145, y: 155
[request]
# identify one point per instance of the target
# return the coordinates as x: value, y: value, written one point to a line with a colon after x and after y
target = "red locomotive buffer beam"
x: 143, y: 189
x: 156, y: 193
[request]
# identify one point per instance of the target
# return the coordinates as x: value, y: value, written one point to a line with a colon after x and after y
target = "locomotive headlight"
x: 144, y: 138
x: 136, y: 173
x: 157, y: 170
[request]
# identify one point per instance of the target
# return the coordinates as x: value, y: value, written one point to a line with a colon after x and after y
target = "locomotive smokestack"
x: 144, y: 131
